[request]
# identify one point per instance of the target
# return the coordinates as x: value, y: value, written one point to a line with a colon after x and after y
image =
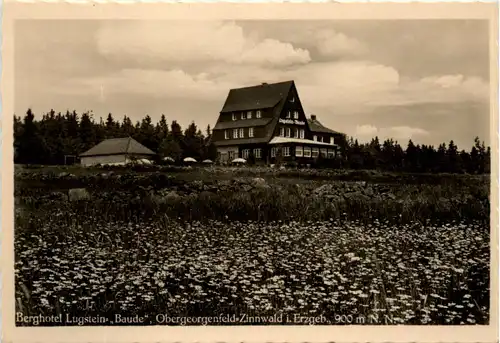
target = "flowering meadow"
x: 77, y: 258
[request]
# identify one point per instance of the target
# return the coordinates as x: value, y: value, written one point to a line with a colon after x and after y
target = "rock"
x: 198, y: 184
x: 323, y: 189
x: 369, y: 191
x: 206, y: 195
x: 172, y: 195
x: 259, y: 182
x: 77, y: 194
x: 390, y: 196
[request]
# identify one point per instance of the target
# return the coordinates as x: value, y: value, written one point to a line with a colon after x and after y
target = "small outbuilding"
x: 116, y: 151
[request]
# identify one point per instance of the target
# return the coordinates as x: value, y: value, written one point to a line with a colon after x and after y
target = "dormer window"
x: 302, y: 133
x: 288, y: 132
x: 242, y: 133
x: 296, y: 133
x: 295, y: 114
x: 235, y: 133
x: 289, y: 114
x: 292, y: 99
x: 282, y: 132
x: 258, y: 114
x: 226, y: 134
x: 332, y: 140
x: 315, y: 138
x: 243, y: 115
x: 234, y: 116
x: 249, y: 115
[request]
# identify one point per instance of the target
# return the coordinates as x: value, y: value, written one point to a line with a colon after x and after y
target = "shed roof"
x: 118, y: 146
x: 316, y: 126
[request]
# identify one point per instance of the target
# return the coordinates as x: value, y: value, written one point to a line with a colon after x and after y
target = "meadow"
x: 259, y: 242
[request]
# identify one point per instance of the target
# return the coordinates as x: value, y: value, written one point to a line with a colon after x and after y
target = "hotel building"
x: 268, y: 122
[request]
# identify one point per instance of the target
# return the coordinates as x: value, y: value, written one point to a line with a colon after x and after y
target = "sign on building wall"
x: 292, y: 121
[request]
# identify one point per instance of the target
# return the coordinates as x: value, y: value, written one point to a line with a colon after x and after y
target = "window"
x: 288, y: 132
x: 235, y: 133
x: 289, y: 114
x: 315, y: 138
x: 243, y: 115
x: 257, y: 153
x: 234, y: 116
x: 249, y: 115
x: 250, y: 132
x: 295, y: 114
x: 320, y: 139
x: 315, y: 152
x: 302, y: 133
x: 296, y: 133
x: 242, y: 133
x: 332, y: 140
x: 245, y: 153
x: 258, y: 114
x: 231, y: 155
x: 292, y: 99
x: 282, y: 132
x: 307, y: 152
x: 286, y: 151
x: 273, y: 152
x: 323, y: 152
x: 331, y: 153
x: 226, y: 134
x: 299, y: 151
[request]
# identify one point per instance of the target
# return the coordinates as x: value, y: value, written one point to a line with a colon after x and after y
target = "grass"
x: 419, y: 256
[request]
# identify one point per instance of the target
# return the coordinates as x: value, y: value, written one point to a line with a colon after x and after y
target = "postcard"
x: 250, y: 172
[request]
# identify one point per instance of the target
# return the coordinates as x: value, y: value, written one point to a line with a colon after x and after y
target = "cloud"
x: 336, y: 44
x: 366, y: 131
x: 194, y: 41
x: 403, y: 133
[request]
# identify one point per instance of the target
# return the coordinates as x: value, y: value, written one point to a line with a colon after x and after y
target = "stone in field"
x: 76, y: 194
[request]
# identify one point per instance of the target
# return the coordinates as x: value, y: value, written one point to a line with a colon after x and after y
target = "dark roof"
x: 256, y: 97
x: 277, y: 91
x: 222, y: 125
x: 118, y: 146
x: 316, y: 126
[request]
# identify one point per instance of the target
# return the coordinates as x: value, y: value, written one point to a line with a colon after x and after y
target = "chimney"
x: 313, y: 117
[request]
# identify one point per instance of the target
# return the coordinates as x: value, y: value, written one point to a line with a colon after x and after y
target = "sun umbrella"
x: 189, y: 159
x: 239, y: 160
x: 144, y: 161
x: 168, y: 159
x: 207, y: 161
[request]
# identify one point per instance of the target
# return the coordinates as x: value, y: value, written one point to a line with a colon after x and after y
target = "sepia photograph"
x: 271, y: 172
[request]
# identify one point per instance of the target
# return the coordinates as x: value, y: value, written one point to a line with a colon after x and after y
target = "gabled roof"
x: 278, y: 93
x: 316, y: 126
x: 118, y: 146
x: 265, y: 95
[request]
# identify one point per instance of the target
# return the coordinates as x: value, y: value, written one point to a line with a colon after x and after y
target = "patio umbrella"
x: 189, y: 159
x: 168, y: 159
x: 239, y: 160
x: 207, y: 161
x: 144, y: 161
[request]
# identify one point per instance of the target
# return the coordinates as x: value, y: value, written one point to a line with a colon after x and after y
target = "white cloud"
x: 337, y: 44
x: 195, y: 41
x: 366, y: 131
x: 402, y: 133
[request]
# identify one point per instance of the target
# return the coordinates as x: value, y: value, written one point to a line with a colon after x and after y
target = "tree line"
x: 55, y: 136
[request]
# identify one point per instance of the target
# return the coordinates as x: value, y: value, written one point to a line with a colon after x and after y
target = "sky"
x: 425, y: 80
